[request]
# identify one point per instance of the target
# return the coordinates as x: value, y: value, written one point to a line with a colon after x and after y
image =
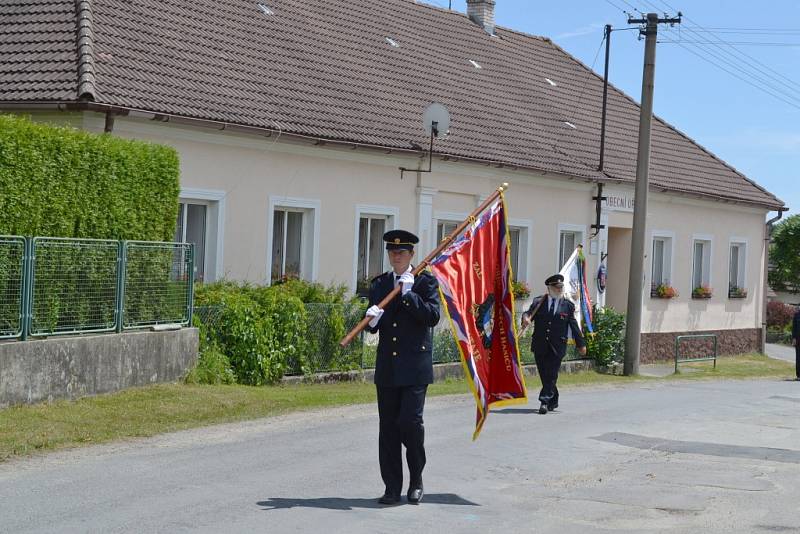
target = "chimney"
x: 481, y: 12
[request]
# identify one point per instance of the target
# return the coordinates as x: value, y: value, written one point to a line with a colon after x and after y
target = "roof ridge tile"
x: 85, y: 35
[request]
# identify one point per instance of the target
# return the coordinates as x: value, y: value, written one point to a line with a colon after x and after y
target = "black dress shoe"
x: 551, y: 408
x: 415, y: 495
x: 543, y: 409
x: 389, y: 498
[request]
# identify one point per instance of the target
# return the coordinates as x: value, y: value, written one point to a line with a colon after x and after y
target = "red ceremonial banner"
x: 474, y: 277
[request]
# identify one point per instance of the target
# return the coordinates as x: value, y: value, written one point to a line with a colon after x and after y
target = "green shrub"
x: 445, y: 348
x: 213, y: 367
x: 269, y: 331
x: 312, y: 292
x: 607, y: 344
x: 285, y: 316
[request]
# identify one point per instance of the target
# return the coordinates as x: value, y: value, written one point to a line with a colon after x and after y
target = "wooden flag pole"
x: 424, y: 263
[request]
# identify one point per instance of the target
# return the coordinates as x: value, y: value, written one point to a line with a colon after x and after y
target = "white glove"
x: 376, y: 313
x: 407, y: 279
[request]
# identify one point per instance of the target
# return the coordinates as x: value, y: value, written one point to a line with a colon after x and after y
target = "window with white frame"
x: 515, y: 242
x: 701, y: 263
x: 567, y: 241
x: 661, y: 267
x: 293, y: 239
x: 191, y: 228
x: 287, y: 243
x: 370, y: 245
x: 736, y: 269
x: 444, y: 229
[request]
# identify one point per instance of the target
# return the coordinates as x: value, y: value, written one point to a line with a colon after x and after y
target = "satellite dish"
x: 436, y: 119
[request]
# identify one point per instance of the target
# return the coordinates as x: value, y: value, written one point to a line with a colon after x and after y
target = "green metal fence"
x: 158, y: 286
x: 12, y: 266
x: 58, y: 286
x: 704, y: 351
x: 73, y: 286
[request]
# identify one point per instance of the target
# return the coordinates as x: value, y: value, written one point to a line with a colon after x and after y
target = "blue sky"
x: 751, y: 130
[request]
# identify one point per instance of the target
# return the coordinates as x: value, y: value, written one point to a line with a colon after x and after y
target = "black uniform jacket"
x: 550, y: 331
x: 405, y: 346
x: 796, y: 325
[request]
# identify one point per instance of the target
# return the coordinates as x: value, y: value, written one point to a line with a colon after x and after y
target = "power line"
x: 591, y: 69
x: 735, y: 75
x: 615, y: 6
x: 746, y: 30
x: 756, y: 73
x: 693, y: 23
x: 738, y: 43
x: 633, y: 7
x: 770, y: 81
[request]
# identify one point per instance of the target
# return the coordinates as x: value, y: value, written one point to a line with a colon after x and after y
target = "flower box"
x: 702, y: 292
x: 737, y: 293
x: 663, y: 291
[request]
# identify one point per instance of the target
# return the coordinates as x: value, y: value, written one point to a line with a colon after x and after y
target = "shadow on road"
x: 339, y: 503
x: 517, y: 410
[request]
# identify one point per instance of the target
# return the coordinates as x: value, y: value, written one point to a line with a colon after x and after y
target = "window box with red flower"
x: 702, y: 292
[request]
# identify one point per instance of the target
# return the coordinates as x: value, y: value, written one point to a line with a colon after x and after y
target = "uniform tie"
x: 552, y: 306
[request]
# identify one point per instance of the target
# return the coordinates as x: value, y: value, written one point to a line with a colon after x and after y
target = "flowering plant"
x: 664, y: 291
x: 735, y: 292
x: 520, y: 289
x: 702, y: 292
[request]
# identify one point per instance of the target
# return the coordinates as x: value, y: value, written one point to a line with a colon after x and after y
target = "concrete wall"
x: 68, y: 368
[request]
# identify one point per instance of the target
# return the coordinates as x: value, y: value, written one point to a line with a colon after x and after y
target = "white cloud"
x: 584, y: 30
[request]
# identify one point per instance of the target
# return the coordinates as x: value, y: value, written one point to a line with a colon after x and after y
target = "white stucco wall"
x: 248, y: 173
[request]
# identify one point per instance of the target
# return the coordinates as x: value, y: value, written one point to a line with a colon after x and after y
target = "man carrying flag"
x: 404, y: 365
x: 472, y: 267
x: 553, y: 318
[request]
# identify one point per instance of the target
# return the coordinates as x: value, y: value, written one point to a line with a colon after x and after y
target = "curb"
x: 441, y: 373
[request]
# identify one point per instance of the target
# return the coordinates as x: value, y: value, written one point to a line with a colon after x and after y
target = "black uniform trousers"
x: 400, y: 413
x: 548, y: 364
x: 797, y: 358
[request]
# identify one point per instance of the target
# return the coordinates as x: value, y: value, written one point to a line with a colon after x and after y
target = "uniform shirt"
x: 550, y: 331
x: 405, y: 345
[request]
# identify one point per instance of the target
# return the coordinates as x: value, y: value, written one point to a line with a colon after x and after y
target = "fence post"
x: 190, y: 289
x: 122, y: 252
x: 27, y: 294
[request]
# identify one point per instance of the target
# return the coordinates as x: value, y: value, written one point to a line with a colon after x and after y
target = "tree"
x: 784, y: 274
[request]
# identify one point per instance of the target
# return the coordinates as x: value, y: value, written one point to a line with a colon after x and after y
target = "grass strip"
x: 147, y: 411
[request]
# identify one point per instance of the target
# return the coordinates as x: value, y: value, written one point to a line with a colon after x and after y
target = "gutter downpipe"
x: 767, y: 240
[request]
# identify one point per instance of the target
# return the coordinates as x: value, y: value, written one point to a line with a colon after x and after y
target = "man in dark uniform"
x: 404, y: 365
x: 552, y: 316
x: 796, y: 341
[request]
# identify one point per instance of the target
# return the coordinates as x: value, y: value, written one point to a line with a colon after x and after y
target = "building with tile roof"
x: 293, y: 116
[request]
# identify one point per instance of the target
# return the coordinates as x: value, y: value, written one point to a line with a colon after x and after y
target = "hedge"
x: 61, y: 182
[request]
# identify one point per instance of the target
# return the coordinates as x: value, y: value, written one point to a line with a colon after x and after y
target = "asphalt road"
x: 677, y: 457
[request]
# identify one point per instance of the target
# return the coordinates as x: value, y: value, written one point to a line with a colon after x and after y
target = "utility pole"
x: 633, y: 332
x: 605, y: 101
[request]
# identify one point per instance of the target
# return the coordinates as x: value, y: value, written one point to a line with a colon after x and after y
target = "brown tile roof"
x: 324, y: 68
